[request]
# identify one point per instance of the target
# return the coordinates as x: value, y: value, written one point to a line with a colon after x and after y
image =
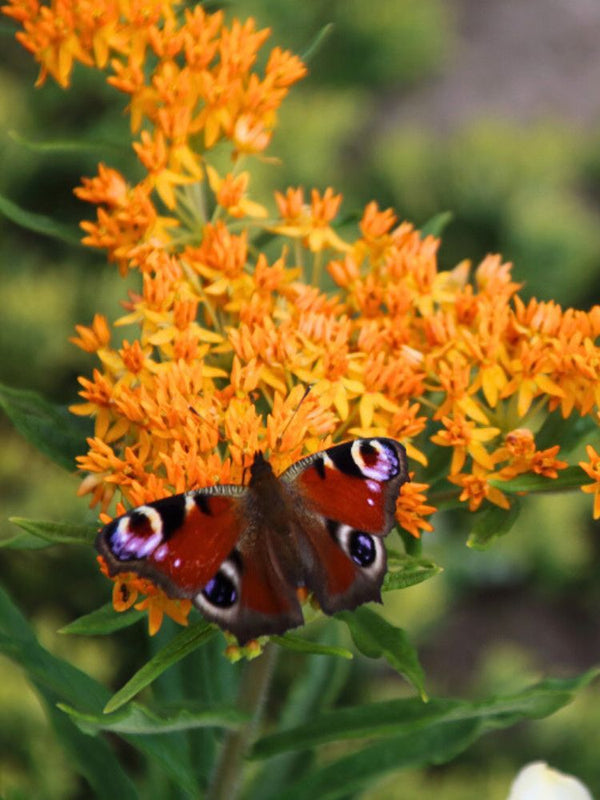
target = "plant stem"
x: 226, y: 779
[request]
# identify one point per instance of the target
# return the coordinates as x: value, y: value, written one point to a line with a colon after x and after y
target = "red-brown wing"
x: 348, y: 495
x: 193, y: 545
x: 250, y: 595
x: 179, y: 542
x: 356, y: 483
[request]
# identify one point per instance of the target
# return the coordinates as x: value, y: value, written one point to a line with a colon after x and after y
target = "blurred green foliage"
x: 530, y: 193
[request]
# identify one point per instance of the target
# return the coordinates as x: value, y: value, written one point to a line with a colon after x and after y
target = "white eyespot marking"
x: 383, y: 467
x: 370, y: 501
x: 126, y: 543
x: 220, y: 598
x: 177, y: 563
x: 373, y: 486
x: 161, y: 552
x: 364, y: 549
x: 327, y: 462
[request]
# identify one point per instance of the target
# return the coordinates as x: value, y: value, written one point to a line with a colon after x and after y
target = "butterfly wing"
x: 265, y: 600
x: 178, y: 542
x: 203, y: 545
x: 347, y: 500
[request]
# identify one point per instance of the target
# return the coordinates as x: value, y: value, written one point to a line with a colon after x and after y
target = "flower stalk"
x: 256, y: 678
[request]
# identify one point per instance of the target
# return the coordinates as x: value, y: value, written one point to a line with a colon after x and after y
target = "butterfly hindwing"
x: 351, y: 490
x: 250, y: 596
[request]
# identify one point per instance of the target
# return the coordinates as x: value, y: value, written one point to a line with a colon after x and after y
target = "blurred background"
x: 488, y: 110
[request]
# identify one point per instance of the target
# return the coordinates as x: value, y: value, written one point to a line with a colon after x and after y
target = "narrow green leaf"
x: 92, y: 758
x: 142, y: 721
x: 300, y: 645
x: 437, y: 224
x: 102, y: 621
x: 69, y: 685
x: 50, y: 428
x: 375, y: 637
x: 24, y: 541
x: 57, y: 532
x: 405, y: 571
x: 569, y: 478
x: 411, y: 718
x: 347, y: 776
x: 185, y: 642
x: 39, y: 223
x: 491, y: 523
x: 317, y: 43
x: 65, y: 145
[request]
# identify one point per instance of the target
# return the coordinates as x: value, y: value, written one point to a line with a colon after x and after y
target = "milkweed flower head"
x: 214, y: 350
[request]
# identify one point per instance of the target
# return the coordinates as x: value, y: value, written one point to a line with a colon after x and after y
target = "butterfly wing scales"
x: 350, y: 491
x: 268, y: 601
x: 178, y: 542
x: 182, y: 542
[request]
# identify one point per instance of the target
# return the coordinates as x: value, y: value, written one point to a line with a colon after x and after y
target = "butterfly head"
x: 260, y: 469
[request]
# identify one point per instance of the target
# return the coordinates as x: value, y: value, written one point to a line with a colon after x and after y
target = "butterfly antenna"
x: 293, y: 414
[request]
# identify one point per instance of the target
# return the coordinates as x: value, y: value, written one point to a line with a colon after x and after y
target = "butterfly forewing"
x: 356, y: 483
x: 179, y: 542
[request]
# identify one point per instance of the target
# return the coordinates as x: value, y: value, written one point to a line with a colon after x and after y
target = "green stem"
x: 227, y: 777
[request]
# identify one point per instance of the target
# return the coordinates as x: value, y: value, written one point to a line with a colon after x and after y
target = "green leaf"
x: 437, y: 224
x: 317, y: 43
x: 50, y: 428
x: 184, y: 643
x: 69, y: 685
x: 491, y: 523
x: 405, y: 571
x: 102, y: 621
x: 57, y: 532
x: 39, y: 223
x: 142, y: 721
x: 375, y: 637
x: 24, y: 541
x: 65, y: 145
x: 570, y: 478
x: 300, y: 645
x: 411, y: 733
x: 92, y: 758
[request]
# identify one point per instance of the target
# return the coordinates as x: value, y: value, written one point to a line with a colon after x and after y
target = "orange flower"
x: 476, y: 488
x: 412, y: 507
x: 466, y: 439
x: 592, y: 470
x: 519, y: 449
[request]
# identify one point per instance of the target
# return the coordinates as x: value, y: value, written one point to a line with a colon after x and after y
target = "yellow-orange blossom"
x: 225, y: 337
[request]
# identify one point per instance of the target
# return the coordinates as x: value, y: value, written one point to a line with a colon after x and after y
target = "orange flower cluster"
x: 200, y: 90
x: 223, y: 339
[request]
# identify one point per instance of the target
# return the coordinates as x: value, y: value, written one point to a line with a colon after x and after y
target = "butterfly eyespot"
x: 135, y: 535
x: 220, y: 591
x: 362, y: 548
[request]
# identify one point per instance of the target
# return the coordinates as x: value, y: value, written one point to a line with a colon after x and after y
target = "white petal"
x: 538, y: 781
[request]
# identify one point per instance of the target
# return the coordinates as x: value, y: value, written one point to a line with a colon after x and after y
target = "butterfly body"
x: 241, y: 553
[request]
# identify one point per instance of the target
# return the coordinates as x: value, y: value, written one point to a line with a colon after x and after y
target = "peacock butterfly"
x: 241, y: 553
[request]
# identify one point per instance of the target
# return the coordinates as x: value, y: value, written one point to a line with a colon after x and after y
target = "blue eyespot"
x: 220, y: 591
x: 362, y: 548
